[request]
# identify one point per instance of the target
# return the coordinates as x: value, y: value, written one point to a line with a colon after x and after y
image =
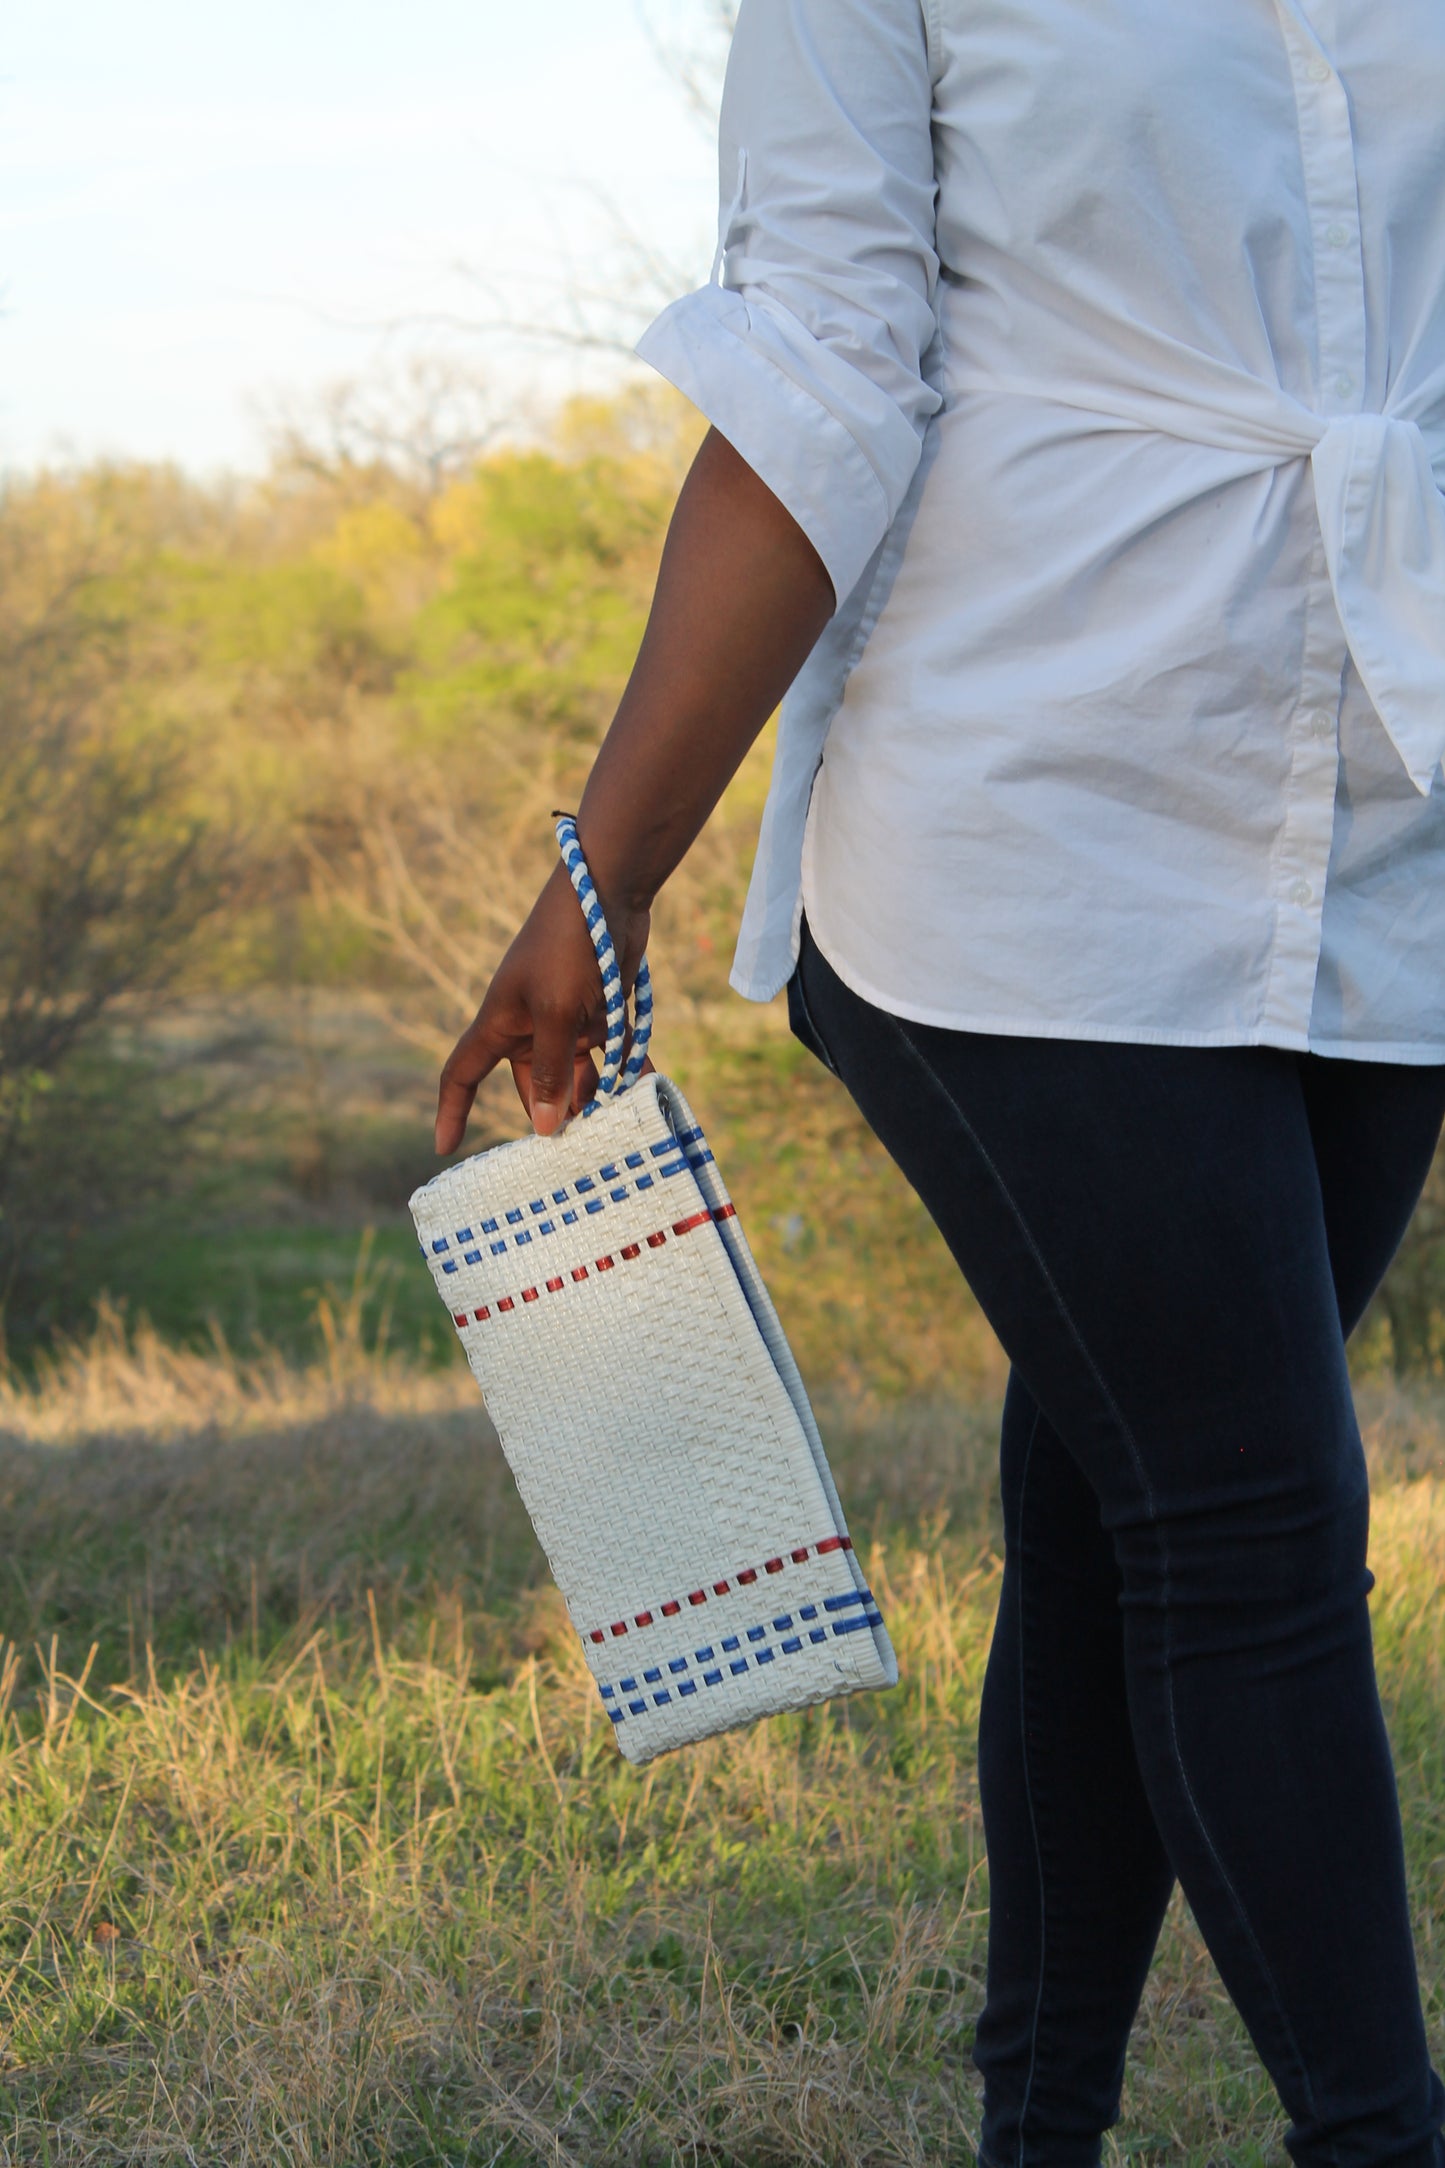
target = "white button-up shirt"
x: 1099, y: 348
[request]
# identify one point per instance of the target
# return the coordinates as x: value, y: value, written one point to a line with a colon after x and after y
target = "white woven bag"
x: 649, y: 1405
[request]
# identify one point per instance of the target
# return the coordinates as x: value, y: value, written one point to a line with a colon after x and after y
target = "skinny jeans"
x: 1172, y: 1244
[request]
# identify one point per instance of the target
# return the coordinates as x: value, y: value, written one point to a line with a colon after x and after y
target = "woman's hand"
x: 542, y: 1012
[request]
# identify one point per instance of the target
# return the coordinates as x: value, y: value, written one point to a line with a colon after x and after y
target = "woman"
x: 1075, y: 372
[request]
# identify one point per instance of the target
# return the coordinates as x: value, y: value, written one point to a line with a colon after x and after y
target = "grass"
x: 315, y: 1850
x: 261, y: 1283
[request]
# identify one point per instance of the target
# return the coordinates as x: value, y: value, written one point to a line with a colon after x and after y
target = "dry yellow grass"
x: 315, y: 1852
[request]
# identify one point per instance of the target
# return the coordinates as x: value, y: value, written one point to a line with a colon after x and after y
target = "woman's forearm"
x: 741, y: 597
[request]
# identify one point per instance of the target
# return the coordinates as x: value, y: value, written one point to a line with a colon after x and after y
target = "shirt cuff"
x: 799, y: 414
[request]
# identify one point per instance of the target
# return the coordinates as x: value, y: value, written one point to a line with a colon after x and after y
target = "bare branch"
x: 574, y: 311
x: 424, y: 420
x: 696, y: 61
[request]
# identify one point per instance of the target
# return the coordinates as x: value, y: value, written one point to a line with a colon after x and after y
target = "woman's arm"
x: 741, y: 597
x: 807, y: 358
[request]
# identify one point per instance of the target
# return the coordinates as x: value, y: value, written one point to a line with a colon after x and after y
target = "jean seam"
x: 1151, y: 1507
x: 1029, y: 1795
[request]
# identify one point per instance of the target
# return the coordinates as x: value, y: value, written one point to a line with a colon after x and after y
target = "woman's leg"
x: 1374, y: 1132
x: 1146, y: 1230
x: 1078, y: 1875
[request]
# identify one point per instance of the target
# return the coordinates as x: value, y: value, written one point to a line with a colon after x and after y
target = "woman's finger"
x: 473, y: 1057
x: 584, y: 1080
x: 555, y: 1050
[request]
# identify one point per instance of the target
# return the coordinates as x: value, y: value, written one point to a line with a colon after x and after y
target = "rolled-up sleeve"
x: 808, y: 355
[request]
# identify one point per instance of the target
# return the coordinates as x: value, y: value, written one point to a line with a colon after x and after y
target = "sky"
x: 209, y: 212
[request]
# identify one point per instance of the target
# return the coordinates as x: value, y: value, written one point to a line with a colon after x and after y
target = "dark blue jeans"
x: 1171, y: 1245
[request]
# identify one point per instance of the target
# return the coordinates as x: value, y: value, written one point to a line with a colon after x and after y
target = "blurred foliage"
x: 110, y: 870
x: 285, y: 751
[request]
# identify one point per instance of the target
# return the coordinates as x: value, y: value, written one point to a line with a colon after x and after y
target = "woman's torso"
x: 1099, y: 759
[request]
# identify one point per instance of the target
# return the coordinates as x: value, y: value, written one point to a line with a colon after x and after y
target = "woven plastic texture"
x: 653, y: 1416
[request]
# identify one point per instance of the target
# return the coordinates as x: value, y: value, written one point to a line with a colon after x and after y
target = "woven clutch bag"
x: 649, y: 1405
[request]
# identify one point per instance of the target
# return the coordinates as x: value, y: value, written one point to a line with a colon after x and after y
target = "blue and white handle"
x: 614, y: 1077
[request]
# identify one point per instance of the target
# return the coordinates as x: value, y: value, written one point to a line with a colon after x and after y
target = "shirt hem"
x: 1403, y: 1053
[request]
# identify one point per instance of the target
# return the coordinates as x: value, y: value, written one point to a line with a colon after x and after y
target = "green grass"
x: 316, y: 1851
x: 262, y: 1284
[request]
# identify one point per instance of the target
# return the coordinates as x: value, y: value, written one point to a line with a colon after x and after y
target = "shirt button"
x: 1320, y: 71
x: 1300, y: 892
x: 1322, y: 725
x: 1337, y: 236
x: 1344, y: 385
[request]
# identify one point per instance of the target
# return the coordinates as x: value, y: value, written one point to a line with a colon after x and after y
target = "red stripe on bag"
x: 605, y: 1264
x: 744, y: 1578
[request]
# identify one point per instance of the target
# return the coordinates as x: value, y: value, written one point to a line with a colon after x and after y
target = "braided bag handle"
x: 615, y: 1077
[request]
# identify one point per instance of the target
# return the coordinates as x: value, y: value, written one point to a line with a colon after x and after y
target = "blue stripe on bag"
x: 868, y: 1616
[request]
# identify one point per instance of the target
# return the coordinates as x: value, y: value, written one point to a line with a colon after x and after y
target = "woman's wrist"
x: 627, y: 858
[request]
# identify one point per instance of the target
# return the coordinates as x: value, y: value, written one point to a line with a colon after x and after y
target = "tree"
x: 415, y: 426
x: 106, y: 873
